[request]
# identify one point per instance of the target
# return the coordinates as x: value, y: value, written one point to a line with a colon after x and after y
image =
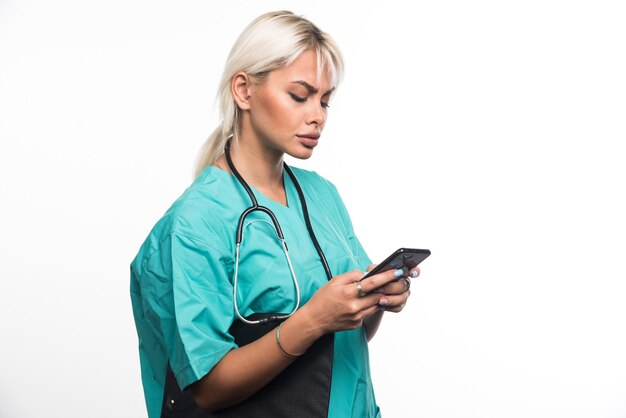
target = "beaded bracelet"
x: 280, y: 345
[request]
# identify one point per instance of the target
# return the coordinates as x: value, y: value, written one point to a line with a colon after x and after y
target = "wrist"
x: 296, y: 334
x: 308, y: 323
x: 280, y: 345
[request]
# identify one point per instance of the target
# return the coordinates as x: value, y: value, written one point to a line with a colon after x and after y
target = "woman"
x: 224, y: 310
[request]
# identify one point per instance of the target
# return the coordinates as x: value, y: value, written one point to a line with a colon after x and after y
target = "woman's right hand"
x: 338, y: 306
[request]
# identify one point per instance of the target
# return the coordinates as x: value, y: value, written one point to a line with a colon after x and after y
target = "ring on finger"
x: 408, y: 284
x: 359, y: 289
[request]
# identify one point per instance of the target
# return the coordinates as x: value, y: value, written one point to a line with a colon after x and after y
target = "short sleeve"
x: 187, y: 297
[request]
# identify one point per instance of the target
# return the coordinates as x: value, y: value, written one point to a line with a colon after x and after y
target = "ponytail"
x: 210, y: 151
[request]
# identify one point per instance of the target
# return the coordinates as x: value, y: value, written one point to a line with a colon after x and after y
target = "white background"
x: 487, y: 131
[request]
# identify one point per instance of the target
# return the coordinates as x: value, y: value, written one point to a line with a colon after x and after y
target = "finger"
x: 371, y: 267
x: 368, y: 301
x: 394, y: 309
x: 397, y: 287
x: 349, y: 277
x: 381, y: 279
x: 414, y: 272
x: 393, y: 302
x: 359, y: 289
x: 371, y: 311
x: 368, y: 304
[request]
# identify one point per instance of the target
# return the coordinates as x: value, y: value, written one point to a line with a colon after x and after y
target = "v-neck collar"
x: 293, y: 200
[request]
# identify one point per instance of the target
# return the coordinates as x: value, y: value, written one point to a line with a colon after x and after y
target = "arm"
x: 371, y: 324
x: 243, y: 371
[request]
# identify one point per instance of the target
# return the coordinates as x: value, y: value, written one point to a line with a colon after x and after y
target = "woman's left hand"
x: 397, y: 292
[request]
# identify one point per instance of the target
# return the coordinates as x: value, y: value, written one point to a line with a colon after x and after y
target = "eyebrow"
x: 310, y: 88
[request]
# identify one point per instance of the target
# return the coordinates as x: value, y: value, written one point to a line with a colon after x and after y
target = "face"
x: 287, y: 112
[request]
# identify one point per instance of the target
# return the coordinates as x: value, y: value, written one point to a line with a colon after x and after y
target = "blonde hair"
x: 271, y: 41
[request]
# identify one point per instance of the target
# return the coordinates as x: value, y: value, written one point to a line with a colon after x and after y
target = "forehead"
x: 304, y: 68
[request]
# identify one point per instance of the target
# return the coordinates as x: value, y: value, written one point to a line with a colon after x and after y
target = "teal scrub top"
x: 182, y: 281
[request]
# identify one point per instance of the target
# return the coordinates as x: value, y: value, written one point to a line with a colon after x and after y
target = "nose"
x: 316, y: 115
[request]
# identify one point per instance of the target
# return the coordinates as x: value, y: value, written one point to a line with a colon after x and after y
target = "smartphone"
x: 402, y: 258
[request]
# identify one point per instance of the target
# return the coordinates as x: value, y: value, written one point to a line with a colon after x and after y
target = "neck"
x: 260, y: 167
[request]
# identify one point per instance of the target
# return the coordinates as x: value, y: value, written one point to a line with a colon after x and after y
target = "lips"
x: 309, y: 140
x: 311, y: 136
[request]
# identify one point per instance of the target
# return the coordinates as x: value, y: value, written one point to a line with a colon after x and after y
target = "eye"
x: 298, y: 98
x: 325, y: 101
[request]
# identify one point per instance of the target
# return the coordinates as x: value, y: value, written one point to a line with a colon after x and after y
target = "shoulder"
x: 202, y: 214
x: 201, y: 207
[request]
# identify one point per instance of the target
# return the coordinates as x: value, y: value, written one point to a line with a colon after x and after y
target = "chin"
x: 301, y: 154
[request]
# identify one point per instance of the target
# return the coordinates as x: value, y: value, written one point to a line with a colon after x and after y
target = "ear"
x: 240, y: 87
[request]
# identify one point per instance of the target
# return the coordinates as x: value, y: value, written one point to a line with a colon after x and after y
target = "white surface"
x: 488, y: 132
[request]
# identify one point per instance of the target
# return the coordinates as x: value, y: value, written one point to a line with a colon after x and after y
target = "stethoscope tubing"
x: 239, y: 237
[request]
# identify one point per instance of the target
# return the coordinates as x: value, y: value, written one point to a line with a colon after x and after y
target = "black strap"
x: 302, y: 390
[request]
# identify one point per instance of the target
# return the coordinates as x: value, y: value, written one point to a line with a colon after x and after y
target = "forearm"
x: 245, y: 370
x: 371, y: 324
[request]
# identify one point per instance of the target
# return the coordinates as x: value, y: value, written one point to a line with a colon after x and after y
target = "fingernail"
x: 383, y: 302
x: 414, y: 274
x: 398, y: 272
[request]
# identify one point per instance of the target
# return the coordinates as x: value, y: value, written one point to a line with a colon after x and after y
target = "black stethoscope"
x: 240, y: 228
